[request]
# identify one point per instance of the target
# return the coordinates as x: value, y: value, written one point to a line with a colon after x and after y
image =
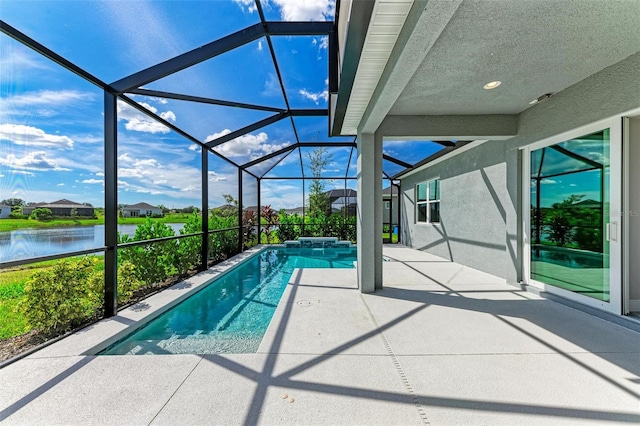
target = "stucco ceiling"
x: 533, y: 46
x: 447, y: 50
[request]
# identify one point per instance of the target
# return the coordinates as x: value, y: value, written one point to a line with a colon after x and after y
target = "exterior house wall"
x: 472, y: 212
x: 141, y: 212
x: 5, y: 211
x: 481, y: 188
x: 61, y: 211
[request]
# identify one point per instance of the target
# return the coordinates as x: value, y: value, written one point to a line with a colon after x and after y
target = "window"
x: 428, y: 202
x: 386, y: 205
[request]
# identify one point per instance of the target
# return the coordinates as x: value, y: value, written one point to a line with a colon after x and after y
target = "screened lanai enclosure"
x: 221, y: 116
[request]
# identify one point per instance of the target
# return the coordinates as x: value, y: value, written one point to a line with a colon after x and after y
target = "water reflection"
x: 27, y: 243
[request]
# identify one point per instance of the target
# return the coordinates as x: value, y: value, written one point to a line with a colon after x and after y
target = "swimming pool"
x: 232, y: 313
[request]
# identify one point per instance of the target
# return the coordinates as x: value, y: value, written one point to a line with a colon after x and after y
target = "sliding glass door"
x: 574, y: 222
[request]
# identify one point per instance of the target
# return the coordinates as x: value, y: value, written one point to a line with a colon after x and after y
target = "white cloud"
x: 60, y: 184
x: 315, y: 97
x: 303, y: 10
x: 36, y: 160
x: 272, y: 86
x: 214, y: 177
x: 246, y: 145
x: 248, y: 5
x: 196, y: 148
x: 259, y: 44
x: 168, y: 115
x: 20, y: 61
x: 93, y: 181
x: 150, y: 162
x: 99, y: 174
x: 139, y: 122
x: 321, y: 42
x: 125, y: 158
x: 32, y: 136
x: 162, y: 101
x: 46, y: 98
x: 21, y: 172
x: 130, y: 172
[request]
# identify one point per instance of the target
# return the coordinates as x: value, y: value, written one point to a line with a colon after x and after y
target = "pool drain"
x: 304, y: 303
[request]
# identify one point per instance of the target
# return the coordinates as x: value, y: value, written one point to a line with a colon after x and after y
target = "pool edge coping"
x: 96, y: 337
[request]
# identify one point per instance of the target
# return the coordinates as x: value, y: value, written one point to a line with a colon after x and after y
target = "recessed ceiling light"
x: 492, y: 85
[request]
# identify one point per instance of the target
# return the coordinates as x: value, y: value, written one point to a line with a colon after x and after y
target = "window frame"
x: 427, y: 201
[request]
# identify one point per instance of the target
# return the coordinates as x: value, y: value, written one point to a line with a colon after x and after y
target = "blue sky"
x: 51, y: 121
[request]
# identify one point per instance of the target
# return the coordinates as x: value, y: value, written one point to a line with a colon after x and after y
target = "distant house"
x: 5, y: 211
x: 253, y: 209
x: 341, y: 199
x: 141, y: 210
x: 62, y: 207
x: 390, y: 204
x: 295, y: 210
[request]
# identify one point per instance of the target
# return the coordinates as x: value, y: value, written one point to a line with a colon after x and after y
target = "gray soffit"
x: 448, y: 50
x: 446, y: 127
x: 357, y: 19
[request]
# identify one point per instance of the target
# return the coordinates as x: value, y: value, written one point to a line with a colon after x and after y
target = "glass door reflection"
x: 569, y: 212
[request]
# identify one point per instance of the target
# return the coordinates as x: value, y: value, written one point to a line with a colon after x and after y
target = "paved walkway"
x: 441, y: 344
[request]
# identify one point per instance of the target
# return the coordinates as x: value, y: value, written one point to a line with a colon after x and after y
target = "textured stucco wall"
x: 481, y: 188
x: 472, y: 197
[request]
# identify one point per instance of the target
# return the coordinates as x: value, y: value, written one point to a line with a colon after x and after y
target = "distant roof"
x: 294, y: 210
x: 587, y: 204
x: 61, y: 204
x: 225, y: 207
x: 388, y: 190
x: 141, y: 206
x: 65, y: 202
x: 334, y: 193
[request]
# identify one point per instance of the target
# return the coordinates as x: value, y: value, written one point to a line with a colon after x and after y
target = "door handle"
x: 612, y: 231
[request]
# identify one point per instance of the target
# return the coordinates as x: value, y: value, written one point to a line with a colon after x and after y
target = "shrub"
x: 154, y: 261
x: 187, y: 252
x: 271, y: 219
x: 64, y: 296
x: 222, y: 245
x: 41, y: 214
x: 128, y: 282
x: 289, y: 226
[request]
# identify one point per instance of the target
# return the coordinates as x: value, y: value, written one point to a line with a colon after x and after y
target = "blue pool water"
x: 233, y: 312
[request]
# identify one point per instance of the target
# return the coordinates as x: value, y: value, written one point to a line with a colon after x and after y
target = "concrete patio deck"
x: 441, y: 344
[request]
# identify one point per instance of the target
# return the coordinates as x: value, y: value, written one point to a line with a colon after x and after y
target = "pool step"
x: 317, y: 242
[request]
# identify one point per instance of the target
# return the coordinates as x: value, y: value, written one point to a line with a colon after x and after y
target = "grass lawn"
x: 12, y: 282
x: 14, y: 224
x: 394, y: 237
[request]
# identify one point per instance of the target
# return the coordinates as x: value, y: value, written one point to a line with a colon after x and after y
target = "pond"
x: 28, y: 243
